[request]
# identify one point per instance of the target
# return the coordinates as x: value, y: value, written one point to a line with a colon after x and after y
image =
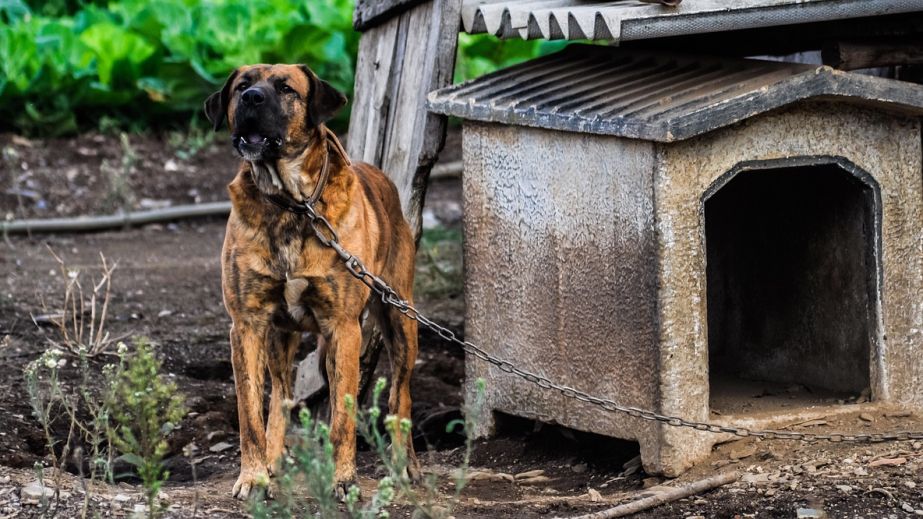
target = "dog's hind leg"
x: 400, y: 336
x: 282, y: 351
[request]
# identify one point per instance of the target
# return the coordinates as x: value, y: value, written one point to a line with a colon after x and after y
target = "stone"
x: 33, y: 493
x: 216, y: 435
x: 220, y: 447
x: 742, y: 451
x: 650, y: 482
x: 594, y: 495
x: 866, y: 417
x: 579, y: 468
x: 907, y: 508
x: 810, y: 513
x: 844, y: 488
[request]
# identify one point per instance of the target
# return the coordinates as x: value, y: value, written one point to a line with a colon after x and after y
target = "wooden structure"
x: 681, y: 233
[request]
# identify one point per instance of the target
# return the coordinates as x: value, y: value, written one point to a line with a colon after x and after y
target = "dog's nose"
x: 253, y: 96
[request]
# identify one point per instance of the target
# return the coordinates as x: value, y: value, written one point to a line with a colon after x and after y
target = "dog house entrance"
x: 792, y: 284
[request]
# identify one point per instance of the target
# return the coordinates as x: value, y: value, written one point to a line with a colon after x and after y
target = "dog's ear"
x: 324, y: 101
x: 216, y: 106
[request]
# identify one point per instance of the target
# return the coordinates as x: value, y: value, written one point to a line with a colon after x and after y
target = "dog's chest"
x: 286, y: 243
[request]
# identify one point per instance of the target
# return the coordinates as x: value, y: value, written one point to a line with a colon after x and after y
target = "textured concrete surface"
x: 586, y: 262
x: 559, y: 243
x: 885, y: 146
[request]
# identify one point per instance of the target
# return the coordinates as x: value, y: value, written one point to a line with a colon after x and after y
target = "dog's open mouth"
x: 255, y: 146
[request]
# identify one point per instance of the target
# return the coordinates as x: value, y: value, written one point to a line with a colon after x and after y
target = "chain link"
x: 328, y: 236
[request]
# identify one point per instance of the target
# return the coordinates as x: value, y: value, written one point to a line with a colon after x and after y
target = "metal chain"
x: 326, y: 234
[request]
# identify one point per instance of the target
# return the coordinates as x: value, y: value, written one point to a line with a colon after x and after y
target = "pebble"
x: 121, y: 498
x: 844, y: 488
x: 910, y: 484
x: 32, y: 493
x: 907, y: 508
x: 579, y: 468
x: 743, y: 451
x: 810, y: 513
x: 594, y: 494
x: 216, y: 435
x: 220, y: 447
x: 866, y: 417
x: 650, y: 482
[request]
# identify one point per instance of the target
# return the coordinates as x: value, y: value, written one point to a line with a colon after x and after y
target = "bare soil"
x: 167, y: 287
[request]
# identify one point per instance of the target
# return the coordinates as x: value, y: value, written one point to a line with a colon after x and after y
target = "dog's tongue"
x: 254, y: 138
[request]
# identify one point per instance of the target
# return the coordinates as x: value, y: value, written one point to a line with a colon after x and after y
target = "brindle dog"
x: 279, y: 280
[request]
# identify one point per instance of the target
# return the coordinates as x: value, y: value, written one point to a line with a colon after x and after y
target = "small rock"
x: 579, y: 468
x: 216, y: 435
x: 910, y: 484
x: 650, y: 482
x: 164, y: 313
x: 140, y: 509
x: 595, y: 496
x: 170, y: 166
x: 866, y: 417
x: 917, y: 445
x: 220, y: 447
x: 888, y: 462
x: 860, y: 472
x: 530, y: 474
x: 699, y: 501
x: 810, y: 513
x: 742, y: 451
x: 907, y: 508
x: 695, y: 517
x: 121, y: 498
x: 34, y: 492
x: 844, y: 488
x: 755, y: 479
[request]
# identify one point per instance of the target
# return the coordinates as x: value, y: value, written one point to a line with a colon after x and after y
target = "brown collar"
x: 293, y: 206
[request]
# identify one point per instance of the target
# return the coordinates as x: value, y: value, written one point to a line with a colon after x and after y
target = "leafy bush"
x: 64, y: 65
x: 145, y: 407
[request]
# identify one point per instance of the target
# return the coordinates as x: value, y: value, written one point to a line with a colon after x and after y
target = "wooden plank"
x: 401, y: 60
x: 853, y: 55
x: 369, y: 13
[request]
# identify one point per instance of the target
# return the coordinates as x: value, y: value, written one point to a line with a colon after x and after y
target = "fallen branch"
x: 115, y: 221
x: 666, y: 496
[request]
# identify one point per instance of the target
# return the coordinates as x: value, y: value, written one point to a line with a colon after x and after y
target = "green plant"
x: 85, y: 410
x: 145, y: 407
x: 64, y: 65
x: 439, y: 271
x: 308, y: 469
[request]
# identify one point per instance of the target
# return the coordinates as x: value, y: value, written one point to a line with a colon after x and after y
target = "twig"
x: 666, y: 496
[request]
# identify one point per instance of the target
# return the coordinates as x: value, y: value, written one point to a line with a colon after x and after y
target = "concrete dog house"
x: 686, y: 234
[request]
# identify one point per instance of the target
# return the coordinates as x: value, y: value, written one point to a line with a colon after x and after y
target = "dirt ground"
x: 167, y: 287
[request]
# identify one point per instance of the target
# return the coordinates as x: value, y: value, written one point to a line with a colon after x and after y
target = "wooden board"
x: 371, y: 12
x: 400, y: 61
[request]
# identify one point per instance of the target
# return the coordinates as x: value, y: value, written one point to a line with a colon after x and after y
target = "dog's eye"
x: 285, y: 89
x: 242, y: 86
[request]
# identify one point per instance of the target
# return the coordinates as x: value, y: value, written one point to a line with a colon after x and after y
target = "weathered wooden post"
x: 407, y: 50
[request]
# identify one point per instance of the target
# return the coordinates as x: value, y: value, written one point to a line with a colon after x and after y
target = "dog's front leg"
x: 343, y: 372
x: 248, y: 357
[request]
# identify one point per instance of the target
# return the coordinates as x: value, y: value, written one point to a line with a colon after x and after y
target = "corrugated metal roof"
x: 634, y: 20
x: 655, y: 96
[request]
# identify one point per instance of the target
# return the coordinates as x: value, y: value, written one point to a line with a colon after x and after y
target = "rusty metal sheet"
x: 636, y: 20
x: 656, y: 96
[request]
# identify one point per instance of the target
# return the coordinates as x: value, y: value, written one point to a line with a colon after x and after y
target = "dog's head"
x: 271, y: 108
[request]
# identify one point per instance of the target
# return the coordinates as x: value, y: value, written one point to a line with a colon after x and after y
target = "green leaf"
x: 120, y: 53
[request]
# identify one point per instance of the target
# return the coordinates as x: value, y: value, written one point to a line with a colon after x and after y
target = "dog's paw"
x: 341, y: 490
x: 248, y: 481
